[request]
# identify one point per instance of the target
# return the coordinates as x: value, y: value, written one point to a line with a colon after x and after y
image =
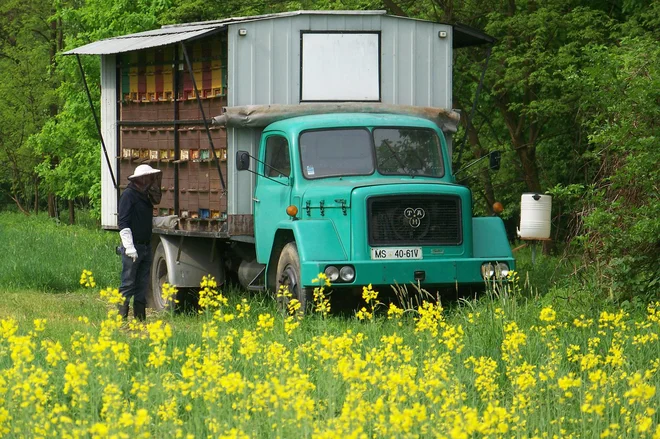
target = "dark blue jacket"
x: 135, y: 213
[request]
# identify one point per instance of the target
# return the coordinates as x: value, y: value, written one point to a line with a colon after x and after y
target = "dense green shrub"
x: 619, y: 213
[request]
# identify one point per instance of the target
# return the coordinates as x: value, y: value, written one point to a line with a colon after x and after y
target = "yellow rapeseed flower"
x: 548, y: 314
x: 87, y: 279
x: 265, y: 322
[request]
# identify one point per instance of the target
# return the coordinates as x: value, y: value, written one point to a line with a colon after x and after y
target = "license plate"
x: 396, y: 253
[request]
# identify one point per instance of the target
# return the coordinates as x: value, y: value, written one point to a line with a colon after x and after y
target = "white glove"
x: 165, y: 222
x: 127, y: 241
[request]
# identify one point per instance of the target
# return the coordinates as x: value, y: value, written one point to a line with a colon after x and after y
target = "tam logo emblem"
x: 414, y: 216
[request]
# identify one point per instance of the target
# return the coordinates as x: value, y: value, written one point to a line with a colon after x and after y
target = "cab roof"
x: 348, y: 120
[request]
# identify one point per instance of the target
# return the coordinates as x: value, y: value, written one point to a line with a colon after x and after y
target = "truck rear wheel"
x: 158, y: 278
x: 288, y: 274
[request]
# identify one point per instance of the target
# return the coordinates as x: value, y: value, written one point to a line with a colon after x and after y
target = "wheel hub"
x: 162, y: 278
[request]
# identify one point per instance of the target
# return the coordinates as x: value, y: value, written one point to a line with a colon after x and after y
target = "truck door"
x: 273, y: 192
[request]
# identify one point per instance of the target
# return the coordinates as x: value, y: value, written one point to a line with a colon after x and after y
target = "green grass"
x: 356, y: 378
x: 60, y: 310
x: 43, y: 255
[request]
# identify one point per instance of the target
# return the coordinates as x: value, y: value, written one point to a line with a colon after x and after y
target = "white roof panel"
x: 233, y: 20
x: 176, y: 33
x: 171, y: 34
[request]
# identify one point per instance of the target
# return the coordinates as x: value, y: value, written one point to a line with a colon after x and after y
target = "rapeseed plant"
x: 320, y: 299
x: 87, y: 279
x: 246, y: 372
x: 371, y: 298
x: 169, y: 294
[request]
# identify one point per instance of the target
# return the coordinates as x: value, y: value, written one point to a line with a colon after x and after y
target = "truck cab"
x: 367, y: 198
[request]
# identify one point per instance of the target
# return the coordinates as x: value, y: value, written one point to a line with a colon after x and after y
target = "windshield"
x: 408, y: 151
x: 398, y: 151
x: 336, y: 152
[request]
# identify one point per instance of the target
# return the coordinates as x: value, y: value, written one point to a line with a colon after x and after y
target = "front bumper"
x: 436, y: 271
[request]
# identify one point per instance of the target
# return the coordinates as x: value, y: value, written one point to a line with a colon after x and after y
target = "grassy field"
x: 538, y: 357
x: 42, y: 255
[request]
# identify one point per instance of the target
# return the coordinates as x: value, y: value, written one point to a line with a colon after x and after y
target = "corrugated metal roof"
x: 175, y: 33
x: 171, y: 34
x: 277, y: 15
x: 143, y: 40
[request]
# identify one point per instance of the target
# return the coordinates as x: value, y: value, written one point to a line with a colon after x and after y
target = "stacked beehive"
x: 149, y: 133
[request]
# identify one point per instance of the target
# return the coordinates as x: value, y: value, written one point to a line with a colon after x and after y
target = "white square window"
x: 340, y: 66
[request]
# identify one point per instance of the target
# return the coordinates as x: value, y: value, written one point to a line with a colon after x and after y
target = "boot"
x: 140, y: 311
x: 123, y: 311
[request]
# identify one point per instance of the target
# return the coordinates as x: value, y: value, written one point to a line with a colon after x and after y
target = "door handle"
x: 256, y: 200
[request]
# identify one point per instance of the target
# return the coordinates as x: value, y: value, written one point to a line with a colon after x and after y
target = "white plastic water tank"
x: 535, y: 214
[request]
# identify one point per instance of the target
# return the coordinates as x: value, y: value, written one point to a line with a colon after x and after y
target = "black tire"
x: 288, y: 273
x: 158, y: 278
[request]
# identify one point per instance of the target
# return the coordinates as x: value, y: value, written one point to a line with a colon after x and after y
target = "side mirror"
x: 242, y: 160
x: 494, y: 160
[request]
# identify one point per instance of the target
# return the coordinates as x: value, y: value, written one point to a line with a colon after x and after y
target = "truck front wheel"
x: 288, y: 275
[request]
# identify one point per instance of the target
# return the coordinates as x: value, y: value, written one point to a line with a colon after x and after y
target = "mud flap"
x: 190, y: 259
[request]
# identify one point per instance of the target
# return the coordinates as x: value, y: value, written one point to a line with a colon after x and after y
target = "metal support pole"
x: 118, y: 99
x: 201, y: 109
x: 175, y: 125
x: 98, y: 126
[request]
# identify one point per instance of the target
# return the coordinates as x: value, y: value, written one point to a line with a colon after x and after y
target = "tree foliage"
x: 570, y: 96
x: 25, y: 94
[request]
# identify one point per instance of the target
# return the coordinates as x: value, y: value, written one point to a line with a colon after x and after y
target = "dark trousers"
x: 135, y: 276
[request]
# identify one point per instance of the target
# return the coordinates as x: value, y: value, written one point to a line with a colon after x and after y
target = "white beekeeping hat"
x: 143, y: 170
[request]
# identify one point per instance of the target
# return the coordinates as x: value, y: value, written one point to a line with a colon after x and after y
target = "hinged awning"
x: 466, y: 36
x: 145, y: 40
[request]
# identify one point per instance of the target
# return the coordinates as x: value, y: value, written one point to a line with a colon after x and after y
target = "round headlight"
x: 347, y: 273
x: 502, y: 270
x: 487, y: 270
x: 332, y: 272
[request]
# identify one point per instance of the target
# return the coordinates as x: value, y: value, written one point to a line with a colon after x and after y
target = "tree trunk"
x: 36, y: 195
x: 72, y: 213
x: 51, y: 205
x: 394, y: 8
x: 19, y: 205
x: 478, y: 151
x: 52, y: 109
x: 523, y: 147
x: 52, y: 52
x: 484, y: 173
x: 527, y: 156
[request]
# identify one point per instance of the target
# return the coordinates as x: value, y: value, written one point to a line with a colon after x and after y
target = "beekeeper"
x: 136, y: 220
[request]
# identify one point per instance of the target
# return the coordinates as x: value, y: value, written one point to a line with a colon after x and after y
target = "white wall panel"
x: 242, y: 182
x: 109, y: 132
x: 264, y: 68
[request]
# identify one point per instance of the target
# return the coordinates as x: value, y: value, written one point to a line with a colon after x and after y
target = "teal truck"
x: 366, y: 198
x: 295, y: 144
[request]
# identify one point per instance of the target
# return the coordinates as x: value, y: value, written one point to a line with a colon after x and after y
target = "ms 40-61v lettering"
x: 396, y: 253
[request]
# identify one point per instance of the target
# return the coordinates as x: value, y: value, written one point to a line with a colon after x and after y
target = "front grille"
x: 415, y: 220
